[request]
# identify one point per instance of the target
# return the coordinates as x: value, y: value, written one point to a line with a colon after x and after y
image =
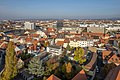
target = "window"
x: 104, y: 56
x: 116, y: 60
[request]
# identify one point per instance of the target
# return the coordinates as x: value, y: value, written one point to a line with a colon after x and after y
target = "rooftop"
x: 114, y: 74
x: 80, y: 76
x: 53, y: 77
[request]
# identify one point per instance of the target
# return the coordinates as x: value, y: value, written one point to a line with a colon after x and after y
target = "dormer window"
x: 116, y: 60
x: 112, y: 59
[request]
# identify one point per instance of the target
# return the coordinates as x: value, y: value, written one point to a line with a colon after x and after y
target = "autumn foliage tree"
x: 68, y: 67
x: 79, y: 55
x: 50, y: 66
x: 10, y: 70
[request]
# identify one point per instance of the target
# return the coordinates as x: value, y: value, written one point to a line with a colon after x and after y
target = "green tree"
x: 68, y: 47
x: 48, y: 67
x: 44, y: 78
x: 10, y: 63
x: 25, y: 56
x: 35, y: 67
x: 47, y: 71
x: 63, y: 68
x: 79, y: 55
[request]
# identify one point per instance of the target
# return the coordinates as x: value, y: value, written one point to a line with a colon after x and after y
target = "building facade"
x: 55, y: 50
x: 29, y: 25
x: 86, y: 43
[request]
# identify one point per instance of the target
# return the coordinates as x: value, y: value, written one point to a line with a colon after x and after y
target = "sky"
x: 59, y: 9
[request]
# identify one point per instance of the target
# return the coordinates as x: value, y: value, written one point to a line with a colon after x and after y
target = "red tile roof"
x: 114, y: 74
x: 0, y: 34
x: 51, y: 29
x: 66, y: 40
x: 1, y: 41
x: 42, y: 39
x: 31, y: 48
x: 34, y: 35
x: 77, y: 35
x: 115, y: 59
x: 28, y: 39
x: 11, y: 35
x: 3, y: 45
x: 95, y: 34
x: 35, y: 42
x: 60, y: 43
x: 53, y: 36
x: 80, y: 76
x: 105, y: 53
x: 104, y: 41
x: 118, y: 35
x: 53, y: 77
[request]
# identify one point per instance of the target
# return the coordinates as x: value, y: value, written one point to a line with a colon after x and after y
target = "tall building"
x: 29, y: 25
x: 59, y: 24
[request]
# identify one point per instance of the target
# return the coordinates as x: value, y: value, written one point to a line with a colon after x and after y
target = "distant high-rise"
x: 29, y: 25
x: 59, y: 24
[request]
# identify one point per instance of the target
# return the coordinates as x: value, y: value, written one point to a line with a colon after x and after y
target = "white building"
x: 113, y: 28
x: 41, y: 33
x: 94, y: 25
x: 96, y: 29
x: 72, y: 29
x: 74, y: 43
x: 83, y: 25
x: 29, y: 25
x: 55, y: 50
x: 81, y: 43
x: 87, y: 43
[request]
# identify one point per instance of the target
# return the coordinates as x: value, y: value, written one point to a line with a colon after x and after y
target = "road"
x: 2, y: 60
x: 99, y: 65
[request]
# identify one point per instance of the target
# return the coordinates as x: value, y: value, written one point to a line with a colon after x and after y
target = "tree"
x: 44, y: 78
x: 63, y: 68
x: 46, y: 44
x: 50, y: 66
x: 79, y: 55
x: 35, y: 67
x: 25, y: 56
x: 68, y: 67
x: 10, y: 63
x: 68, y: 47
x: 119, y: 45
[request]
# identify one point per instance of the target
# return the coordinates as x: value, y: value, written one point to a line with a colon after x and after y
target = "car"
x: 97, y: 69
